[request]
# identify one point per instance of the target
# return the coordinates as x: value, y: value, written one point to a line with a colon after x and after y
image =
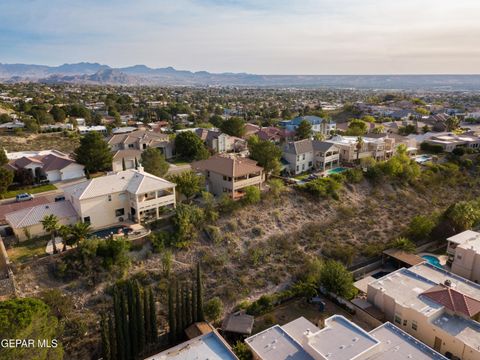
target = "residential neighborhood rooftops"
x: 276, y: 344
x: 465, y: 330
x: 467, y: 236
x: 228, y: 165
x: 133, y: 181
x: 398, y: 345
x: 205, y: 347
x: 440, y: 276
x: 238, y: 322
x: 453, y: 300
x: 34, y: 215
x: 340, y: 339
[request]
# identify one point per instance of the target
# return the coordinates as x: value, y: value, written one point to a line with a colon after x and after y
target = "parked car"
x: 23, y: 197
x: 59, y: 198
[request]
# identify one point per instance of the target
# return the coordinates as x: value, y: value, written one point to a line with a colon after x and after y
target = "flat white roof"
x: 205, y: 347
x: 439, y: 276
x: 468, y: 331
x: 398, y: 345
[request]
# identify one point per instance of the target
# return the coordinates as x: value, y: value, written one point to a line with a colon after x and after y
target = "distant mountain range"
x: 94, y: 73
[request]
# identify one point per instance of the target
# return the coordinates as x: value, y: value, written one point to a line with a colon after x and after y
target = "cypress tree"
x: 139, y: 316
x: 132, y: 320
x: 127, y: 341
x: 172, y: 335
x: 105, y: 338
x: 136, y: 163
x: 118, y: 315
x: 146, y: 317
x: 124, y: 166
x: 187, y: 306
x: 153, y: 316
x: 194, y: 303
x: 200, y: 315
x: 113, y: 340
x: 178, y: 312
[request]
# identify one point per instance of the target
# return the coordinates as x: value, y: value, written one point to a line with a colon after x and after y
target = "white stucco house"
x: 51, y: 165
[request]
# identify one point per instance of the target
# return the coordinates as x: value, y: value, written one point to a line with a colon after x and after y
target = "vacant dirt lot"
x: 24, y: 142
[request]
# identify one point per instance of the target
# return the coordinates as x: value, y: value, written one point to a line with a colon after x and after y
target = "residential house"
x: 230, y: 174
x: 464, y: 255
x: 132, y: 195
x: 126, y: 159
x: 437, y: 307
x: 319, y: 125
x: 28, y: 221
x: 272, y: 134
x: 220, y: 142
x: 306, y: 155
x: 379, y: 147
x: 141, y: 140
x: 450, y: 141
x: 51, y: 165
x: 339, y: 339
x: 209, y: 346
x: 96, y: 128
x: 11, y: 126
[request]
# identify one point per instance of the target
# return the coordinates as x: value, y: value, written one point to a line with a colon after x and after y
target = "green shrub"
x: 354, y: 175
x: 322, y: 187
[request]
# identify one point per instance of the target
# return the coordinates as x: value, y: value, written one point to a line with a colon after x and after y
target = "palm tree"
x: 50, y: 225
x: 358, y: 147
x: 79, y: 231
x: 64, y: 232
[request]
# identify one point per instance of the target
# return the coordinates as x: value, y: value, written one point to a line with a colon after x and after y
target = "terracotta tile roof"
x: 453, y: 300
x: 228, y: 166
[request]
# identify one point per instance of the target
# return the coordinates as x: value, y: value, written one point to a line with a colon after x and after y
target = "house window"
x: 398, y: 319
x: 119, y: 212
x: 303, y: 167
x: 303, y: 157
x: 309, y: 164
x: 414, y: 325
x: 109, y: 197
x: 298, y: 168
x: 86, y: 219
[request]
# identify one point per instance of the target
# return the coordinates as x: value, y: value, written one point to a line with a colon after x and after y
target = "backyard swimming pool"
x: 336, y: 170
x: 109, y: 231
x: 422, y: 158
x: 432, y: 260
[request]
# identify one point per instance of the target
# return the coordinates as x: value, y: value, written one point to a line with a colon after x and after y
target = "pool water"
x: 432, y: 260
x: 107, y: 232
x: 422, y: 158
x: 336, y: 170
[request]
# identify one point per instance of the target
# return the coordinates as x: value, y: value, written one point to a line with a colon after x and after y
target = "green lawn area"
x: 32, y: 190
x: 27, y: 249
x: 301, y: 176
x: 178, y: 162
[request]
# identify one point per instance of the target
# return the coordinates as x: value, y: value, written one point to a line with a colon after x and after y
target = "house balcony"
x: 256, y: 180
x: 155, y: 202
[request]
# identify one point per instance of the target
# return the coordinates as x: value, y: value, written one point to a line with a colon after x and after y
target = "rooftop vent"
x: 448, y: 283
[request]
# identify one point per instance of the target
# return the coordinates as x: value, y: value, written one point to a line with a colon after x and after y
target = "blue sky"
x: 263, y: 36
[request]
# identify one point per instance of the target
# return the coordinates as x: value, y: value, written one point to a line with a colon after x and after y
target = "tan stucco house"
x: 230, y: 174
x: 131, y: 195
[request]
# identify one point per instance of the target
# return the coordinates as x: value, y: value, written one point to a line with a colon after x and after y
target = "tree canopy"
x: 266, y: 153
x: 188, y: 183
x: 235, y: 126
x: 190, y: 147
x: 94, y: 153
x: 29, y: 318
x: 154, y: 162
x: 334, y: 277
x: 304, y: 130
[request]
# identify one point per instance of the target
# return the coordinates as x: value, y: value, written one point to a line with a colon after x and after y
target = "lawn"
x: 178, y: 162
x: 27, y: 249
x: 31, y: 190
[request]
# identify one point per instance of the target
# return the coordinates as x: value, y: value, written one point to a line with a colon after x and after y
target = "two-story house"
x: 230, y: 174
x: 305, y: 155
x: 319, y: 125
x: 220, y: 142
x: 132, y: 195
x: 379, y: 147
x: 464, y: 255
x: 123, y: 144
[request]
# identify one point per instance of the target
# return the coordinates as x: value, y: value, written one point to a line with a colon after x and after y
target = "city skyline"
x: 262, y: 37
